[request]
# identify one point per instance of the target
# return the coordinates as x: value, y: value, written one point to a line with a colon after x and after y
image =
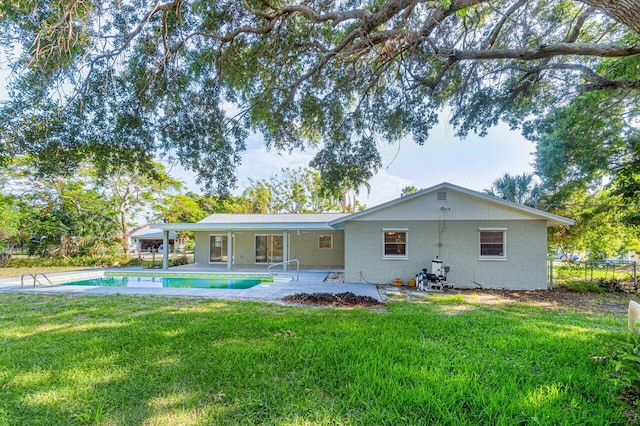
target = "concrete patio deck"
x: 311, y: 281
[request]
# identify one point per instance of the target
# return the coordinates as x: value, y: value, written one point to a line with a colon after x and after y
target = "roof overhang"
x: 204, y: 227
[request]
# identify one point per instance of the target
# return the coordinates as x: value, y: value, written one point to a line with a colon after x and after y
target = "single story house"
x: 485, y: 241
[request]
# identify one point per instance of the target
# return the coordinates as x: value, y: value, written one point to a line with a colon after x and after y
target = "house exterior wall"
x: 457, y: 206
x: 523, y: 268
x: 303, y: 247
x: 201, y: 250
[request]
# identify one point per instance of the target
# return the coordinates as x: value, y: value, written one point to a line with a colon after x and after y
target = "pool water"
x: 237, y: 282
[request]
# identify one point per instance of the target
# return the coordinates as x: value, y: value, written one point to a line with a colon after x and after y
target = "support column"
x: 285, y: 250
x: 229, y: 250
x: 165, y: 249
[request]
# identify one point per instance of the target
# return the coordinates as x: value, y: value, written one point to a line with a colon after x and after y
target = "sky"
x: 474, y: 162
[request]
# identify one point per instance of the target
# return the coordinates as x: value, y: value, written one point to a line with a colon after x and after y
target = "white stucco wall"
x: 524, y: 267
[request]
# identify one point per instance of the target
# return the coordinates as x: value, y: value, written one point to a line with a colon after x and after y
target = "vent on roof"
x: 442, y: 196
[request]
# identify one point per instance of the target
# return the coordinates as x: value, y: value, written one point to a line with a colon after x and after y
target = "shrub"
x: 582, y: 286
x: 611, y: 285
x: 92, y: 261
x: 180, y: 260
x: 627, y: 367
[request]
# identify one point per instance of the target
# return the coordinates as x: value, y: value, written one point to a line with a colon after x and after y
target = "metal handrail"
x: 35, y: 279
x: 286, y: 263
x: 27, y: 275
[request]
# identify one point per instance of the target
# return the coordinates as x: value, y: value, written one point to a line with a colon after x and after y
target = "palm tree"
x: 521, y: 189
x: 258, y: 196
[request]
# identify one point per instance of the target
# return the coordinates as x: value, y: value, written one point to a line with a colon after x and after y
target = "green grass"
x: 17, y: 272
x: 588, y: 273
x: 157, y: 361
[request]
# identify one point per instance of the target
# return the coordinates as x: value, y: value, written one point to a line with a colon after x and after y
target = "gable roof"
x: 516, y: 210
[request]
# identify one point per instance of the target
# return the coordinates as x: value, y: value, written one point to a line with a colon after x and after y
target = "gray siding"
x: 524, y: 268
x: 304, y: 247
x: 458, y: 206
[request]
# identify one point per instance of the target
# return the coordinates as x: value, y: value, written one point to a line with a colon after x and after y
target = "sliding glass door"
x: 269, y: 248
x: 218, y: 248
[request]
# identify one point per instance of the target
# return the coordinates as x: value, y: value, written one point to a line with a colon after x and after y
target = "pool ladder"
x: 35, y: 279
x: 280, y: 274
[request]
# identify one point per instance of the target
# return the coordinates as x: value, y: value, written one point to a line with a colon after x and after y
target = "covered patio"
x: 255, y: 242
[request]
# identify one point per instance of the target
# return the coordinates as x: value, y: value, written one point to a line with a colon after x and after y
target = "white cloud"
x: 384, y: 187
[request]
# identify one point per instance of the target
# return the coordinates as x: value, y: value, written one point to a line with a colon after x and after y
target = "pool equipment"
x: 436, y: 280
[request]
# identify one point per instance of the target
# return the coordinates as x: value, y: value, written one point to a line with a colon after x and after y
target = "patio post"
x: 165, y: 249
x: 285, y: 249
x: 229, y: 250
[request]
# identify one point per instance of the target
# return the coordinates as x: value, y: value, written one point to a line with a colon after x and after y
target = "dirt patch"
x: 557, y: 299
x: 347, y: 299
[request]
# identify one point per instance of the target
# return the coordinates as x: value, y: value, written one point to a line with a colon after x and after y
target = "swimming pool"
x: 142, y: 280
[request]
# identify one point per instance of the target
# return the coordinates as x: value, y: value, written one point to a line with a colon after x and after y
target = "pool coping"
x: 271, y: 291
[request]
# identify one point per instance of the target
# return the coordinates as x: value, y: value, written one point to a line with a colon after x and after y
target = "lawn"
x: 18, y: 272
x: 566, y: 273
x: 158, y: 361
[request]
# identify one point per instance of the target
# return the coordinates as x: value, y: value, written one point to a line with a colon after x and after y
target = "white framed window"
x: 325, y: 241
x: 493, y: 243
x: 395, y: 243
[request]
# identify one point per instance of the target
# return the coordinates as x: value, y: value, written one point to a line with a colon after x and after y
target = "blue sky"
x: 473, y: 162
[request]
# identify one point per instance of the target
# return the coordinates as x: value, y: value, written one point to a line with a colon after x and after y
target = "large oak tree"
x: 121, y: 81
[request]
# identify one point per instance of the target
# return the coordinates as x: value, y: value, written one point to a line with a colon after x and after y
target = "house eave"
x: 204, y: 227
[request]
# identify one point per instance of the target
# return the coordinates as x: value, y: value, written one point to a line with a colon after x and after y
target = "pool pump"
x: 436, y: 280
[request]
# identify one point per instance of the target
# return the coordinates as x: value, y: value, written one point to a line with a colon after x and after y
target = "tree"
x: 10, y: 216
x: 68, y: 214
x: 602, y: 228
x: 258, y: 197
x: 139, y: 79
x: 90, y: 206
x: 130, y: 194
x: 520, y: 189
x: 293, y: 191
x: 302, y: 191
x: 408, y: 190
x: 181, y: 208
x: 576, y: 149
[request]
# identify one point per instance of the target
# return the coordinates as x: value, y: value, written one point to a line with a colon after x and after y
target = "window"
x: 325, y: 241
x: 442, y: 196
x: 395, y: 243
x: 493, y: 243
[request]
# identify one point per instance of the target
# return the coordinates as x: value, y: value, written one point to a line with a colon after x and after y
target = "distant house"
x: 485, y: 241
x: 147, y: 239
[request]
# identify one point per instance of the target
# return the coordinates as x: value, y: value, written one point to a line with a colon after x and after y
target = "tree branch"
x: 546, y: 51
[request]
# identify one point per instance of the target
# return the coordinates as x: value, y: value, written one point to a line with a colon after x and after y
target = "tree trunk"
x: 125, y: 232
x: 626, y: 12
